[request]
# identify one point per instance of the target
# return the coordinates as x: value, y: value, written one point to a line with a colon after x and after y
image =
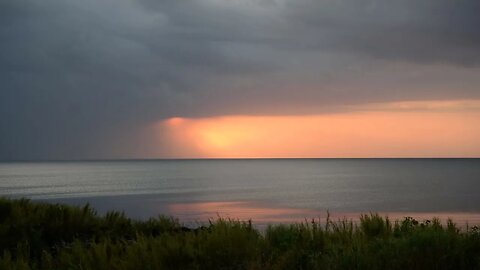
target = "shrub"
x: 56, y: 236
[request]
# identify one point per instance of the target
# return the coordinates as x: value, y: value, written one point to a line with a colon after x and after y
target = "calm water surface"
x: 278, y: 190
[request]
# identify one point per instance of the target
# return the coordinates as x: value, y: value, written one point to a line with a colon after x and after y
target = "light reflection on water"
x: 262, y: 190
x: 262, y: 214
x: 202, y: 211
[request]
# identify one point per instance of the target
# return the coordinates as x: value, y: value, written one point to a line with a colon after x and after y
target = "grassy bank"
x: 45, y: 236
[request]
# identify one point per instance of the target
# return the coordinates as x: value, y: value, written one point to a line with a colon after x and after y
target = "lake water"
x: 265, y: 190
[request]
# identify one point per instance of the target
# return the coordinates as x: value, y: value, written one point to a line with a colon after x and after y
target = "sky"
x: 106, y: 79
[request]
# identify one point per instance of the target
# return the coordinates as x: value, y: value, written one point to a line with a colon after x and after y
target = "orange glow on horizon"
x: 437, y: 129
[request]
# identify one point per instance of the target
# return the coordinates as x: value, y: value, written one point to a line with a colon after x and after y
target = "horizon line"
x: 220, y: 158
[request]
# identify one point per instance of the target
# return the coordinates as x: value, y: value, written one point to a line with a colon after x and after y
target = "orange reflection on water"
x: 263, y: 214
x: 202, y: 211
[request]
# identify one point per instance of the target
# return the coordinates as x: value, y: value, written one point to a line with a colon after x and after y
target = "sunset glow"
x: 408, y: 129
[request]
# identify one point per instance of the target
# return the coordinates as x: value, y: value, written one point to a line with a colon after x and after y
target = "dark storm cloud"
x: 442, y: 31
x: 81, y: 79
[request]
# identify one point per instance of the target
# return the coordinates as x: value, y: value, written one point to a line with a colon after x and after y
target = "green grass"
x: 46, y: 236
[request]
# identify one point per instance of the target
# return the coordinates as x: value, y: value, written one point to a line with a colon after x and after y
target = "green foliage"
x: 46, y: 236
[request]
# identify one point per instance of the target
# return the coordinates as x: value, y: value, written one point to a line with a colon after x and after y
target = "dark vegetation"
x: 46, y: 236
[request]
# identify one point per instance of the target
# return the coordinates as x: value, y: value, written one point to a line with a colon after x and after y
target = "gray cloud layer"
x: 82, y: 79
